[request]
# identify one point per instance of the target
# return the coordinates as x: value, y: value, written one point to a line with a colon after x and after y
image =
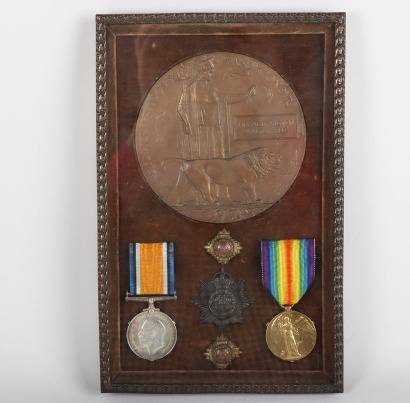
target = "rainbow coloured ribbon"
x: 288, y: 268
x: 151, y: 268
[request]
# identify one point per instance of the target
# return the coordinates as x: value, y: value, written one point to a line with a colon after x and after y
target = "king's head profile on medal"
x: 151, y: 336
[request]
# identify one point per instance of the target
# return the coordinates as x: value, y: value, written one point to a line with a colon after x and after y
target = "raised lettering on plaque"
x: 220, y: 137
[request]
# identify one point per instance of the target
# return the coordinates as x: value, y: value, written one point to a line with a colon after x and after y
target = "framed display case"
x: 219, y: 139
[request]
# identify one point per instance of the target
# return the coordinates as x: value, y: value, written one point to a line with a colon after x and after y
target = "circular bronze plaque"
x: 291, y: 335
x: 220, y: 137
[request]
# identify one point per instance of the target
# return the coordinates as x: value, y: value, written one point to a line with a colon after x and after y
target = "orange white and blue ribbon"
x: 288, y: 268
x: 151, y: 268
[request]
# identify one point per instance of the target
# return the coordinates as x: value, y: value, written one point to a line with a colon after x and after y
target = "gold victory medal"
x: 288, y: 268
x: 291, y: 335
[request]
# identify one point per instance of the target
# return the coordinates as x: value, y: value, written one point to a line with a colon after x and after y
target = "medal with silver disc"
x: 288, y: 268
x: 151, y: 334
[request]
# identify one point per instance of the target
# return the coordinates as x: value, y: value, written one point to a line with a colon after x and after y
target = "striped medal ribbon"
x: 151, y: 268
x: 151, y: 334
x: 288, y: 269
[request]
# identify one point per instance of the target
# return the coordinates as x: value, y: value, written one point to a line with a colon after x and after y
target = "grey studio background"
x: 48, y: 227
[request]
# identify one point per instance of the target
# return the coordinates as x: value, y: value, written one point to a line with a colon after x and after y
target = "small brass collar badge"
x: 222, y: 352
x: 223, y: 247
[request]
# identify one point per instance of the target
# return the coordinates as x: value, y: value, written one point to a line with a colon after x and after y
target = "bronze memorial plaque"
x: 220, y: 137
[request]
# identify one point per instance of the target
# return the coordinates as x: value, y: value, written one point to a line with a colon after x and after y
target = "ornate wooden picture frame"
x: 140, y: 59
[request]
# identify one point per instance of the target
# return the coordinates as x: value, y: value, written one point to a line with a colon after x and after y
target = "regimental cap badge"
x: 223, y: 247
x: 222, y: 352
x: 221, y: 300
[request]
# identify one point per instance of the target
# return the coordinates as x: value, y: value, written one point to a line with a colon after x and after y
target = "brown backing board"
x: 307, y: 50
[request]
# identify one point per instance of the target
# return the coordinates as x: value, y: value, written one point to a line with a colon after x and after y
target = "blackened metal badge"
x: 221, y: 300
